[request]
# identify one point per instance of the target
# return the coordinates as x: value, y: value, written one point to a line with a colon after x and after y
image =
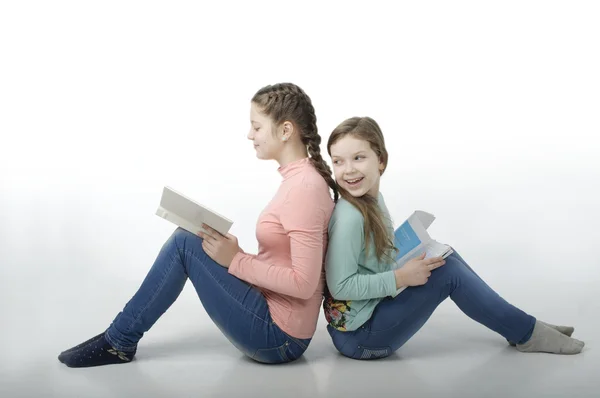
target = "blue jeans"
x: 238, y: 309
x: 396, y: 320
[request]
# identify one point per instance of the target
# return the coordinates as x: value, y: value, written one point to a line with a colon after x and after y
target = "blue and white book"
x: 412, y: 240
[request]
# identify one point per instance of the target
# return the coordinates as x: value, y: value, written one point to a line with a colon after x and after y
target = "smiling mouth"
x: 354, y: 181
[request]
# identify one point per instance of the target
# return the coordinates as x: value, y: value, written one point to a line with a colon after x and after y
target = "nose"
x: 349, y: 168
x: 250, y: 135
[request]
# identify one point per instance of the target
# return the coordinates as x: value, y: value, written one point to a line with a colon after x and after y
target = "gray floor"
x: 58, y: 289
x: 184, y: 355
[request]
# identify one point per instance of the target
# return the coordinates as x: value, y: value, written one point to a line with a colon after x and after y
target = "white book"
x: 412, y: 239
x: 190, y: 215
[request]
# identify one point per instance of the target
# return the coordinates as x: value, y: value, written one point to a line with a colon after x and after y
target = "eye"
x: 358, y: 157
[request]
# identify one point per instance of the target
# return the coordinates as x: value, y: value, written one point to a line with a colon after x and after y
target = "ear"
x: 381, y: 167
x: 287, y: 130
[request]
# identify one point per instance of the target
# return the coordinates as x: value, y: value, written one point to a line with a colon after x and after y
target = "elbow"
x: 306, y: 291
x: 346, y: 291
x: 338, y: 292
x: 305, y: 288
x: 305, y: 295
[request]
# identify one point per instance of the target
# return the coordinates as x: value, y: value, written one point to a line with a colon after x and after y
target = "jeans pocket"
x: 364, y: 352
x: 273, y: 355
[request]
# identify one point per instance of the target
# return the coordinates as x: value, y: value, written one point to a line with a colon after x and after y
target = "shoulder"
x: 308, y: 184
x: 345, y: 209
x: 310, y: 177
x: 346, y: 217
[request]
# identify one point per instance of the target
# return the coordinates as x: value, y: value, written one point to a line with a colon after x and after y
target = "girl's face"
x: 356, y: 167
x: 267, y: 144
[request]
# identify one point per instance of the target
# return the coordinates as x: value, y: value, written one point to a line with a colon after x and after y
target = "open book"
x: 190, y: 215
x: 412, y: 239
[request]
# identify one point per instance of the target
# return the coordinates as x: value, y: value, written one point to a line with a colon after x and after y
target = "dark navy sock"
x: 96, y: 351
x: 78, y: 346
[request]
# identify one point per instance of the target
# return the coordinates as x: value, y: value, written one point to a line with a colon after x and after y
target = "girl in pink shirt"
x: 267, y: 304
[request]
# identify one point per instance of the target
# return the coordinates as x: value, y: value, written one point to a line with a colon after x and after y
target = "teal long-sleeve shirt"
x: 356, y: 281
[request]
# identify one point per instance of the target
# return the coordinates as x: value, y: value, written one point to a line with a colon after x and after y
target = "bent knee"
x: 453, y: 264
x: 180, y: 236
x: 182, y: 233
x: 184, y: 241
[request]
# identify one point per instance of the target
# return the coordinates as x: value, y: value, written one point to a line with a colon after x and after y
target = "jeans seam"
x: 116, y: 345
x: 295, y: 340
x: 373, y: 332
x: 531, y: 326
x: 279, y: 349
x: 153, y: 298
x: 464, y: 263
x: 485, y: 313
x: 282, y: 350
x: 224, y: 290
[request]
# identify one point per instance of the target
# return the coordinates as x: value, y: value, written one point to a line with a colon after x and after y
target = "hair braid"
x: 313, y: 140
x: 287, y: 101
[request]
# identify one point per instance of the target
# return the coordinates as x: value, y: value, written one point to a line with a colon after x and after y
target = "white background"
x: 490, y: 112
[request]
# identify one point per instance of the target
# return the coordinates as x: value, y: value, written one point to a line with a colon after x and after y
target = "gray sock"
x: 567, y: 330
x: 547, y: 339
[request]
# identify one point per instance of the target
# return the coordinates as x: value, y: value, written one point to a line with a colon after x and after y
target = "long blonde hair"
x: 365, y: 128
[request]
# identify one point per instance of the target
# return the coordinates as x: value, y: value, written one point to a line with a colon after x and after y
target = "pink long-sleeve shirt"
x: 292, y: 240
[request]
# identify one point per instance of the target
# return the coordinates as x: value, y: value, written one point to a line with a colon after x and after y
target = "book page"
x: 426, y: 219
x: 405, y: 239
x: 437, y: 249
x: 189, y: 214
x: 412, y: 239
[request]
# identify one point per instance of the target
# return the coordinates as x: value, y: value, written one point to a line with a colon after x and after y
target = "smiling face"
x: 356, y: 167
x: 262, y: 133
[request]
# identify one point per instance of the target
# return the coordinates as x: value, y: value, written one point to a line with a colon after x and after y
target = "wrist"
x: 399, y: 276
x: 234, y: 263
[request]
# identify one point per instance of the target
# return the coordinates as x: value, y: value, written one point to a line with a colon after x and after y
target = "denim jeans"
x: 396, y: 320
x: 238, y: 309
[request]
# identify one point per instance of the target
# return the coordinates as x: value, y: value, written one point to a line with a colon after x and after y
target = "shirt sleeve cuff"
x: 234, y: 267
x: 389, y: 280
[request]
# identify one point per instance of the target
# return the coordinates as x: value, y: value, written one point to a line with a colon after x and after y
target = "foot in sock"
x: 547, y: 339
x: 566, y: 330
x: 96, y: 351
x: 78, y: 346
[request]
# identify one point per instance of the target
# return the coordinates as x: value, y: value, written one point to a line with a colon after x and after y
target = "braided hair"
x: 287, y: 101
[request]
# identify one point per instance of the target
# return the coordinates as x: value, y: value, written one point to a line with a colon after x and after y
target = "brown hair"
x: 288, y: 102
x: 365, y: 128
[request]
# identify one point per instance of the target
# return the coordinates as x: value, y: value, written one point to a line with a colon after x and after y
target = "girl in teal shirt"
x: 365, y: 320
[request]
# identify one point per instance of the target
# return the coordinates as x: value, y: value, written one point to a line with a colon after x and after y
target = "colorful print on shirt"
x: 335, y: 311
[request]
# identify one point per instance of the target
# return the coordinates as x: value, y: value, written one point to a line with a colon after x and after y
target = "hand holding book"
x: 417, y: 249
x: 417, y: 271
x: 221, y: 248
